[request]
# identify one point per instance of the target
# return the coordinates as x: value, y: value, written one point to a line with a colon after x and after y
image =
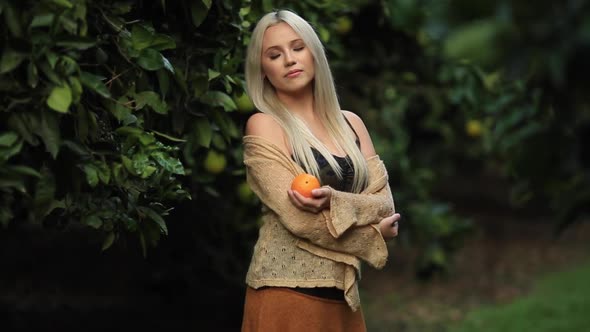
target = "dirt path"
x: 494, y: 266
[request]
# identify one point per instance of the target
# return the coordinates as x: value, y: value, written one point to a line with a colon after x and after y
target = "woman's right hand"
x: 389, y: 226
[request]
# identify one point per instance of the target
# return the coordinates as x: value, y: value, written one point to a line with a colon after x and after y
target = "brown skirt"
x: 284, y: 310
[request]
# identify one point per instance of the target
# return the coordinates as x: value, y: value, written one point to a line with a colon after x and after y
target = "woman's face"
x: 286, y: 61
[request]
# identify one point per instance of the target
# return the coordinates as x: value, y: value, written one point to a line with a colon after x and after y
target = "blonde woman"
x: 305, y: 267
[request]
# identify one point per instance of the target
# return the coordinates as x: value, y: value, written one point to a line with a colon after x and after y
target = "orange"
x: 304, y: 183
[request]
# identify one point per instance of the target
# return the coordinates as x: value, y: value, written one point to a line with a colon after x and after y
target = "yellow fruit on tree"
x: 245, y: 193
x: 214, y: 162
x: 244, y: 103
x: 473, y: 128
x: 343, y: 25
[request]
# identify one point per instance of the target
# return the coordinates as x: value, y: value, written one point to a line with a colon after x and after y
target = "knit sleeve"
x: 270, y: 175
x: 369, y: 207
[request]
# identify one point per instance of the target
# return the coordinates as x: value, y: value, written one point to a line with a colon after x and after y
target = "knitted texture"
x: 375, y: 203
x: 299, y: 248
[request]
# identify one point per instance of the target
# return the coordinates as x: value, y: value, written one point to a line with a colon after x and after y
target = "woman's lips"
x: 294, y: 73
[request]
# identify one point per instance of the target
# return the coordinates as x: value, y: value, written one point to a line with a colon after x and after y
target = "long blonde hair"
x: 326, y: 103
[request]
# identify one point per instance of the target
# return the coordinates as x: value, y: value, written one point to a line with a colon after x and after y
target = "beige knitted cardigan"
x: 303, y: 249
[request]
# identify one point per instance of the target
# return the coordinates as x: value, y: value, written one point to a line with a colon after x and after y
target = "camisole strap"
x: 357, y: 140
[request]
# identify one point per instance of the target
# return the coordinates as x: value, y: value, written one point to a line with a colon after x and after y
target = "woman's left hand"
x: 319, y: 200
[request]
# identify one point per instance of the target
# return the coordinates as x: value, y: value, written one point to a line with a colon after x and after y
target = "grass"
x: 558, y: 303
x: 517, y: 279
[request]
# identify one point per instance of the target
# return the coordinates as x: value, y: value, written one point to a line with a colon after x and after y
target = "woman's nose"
x: 289, y: 59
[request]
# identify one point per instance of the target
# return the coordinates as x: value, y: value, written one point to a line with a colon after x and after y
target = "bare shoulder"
x: 265, y: 126
x: 357, y: 123
x: 354, y: 119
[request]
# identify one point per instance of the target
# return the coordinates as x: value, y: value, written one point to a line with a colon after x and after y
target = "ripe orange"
x: 304, y: 183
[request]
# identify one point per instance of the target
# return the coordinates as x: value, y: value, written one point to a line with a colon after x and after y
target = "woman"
x: 306, y: 263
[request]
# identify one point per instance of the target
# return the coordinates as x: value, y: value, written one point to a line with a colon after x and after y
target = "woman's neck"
x: 301, y: 103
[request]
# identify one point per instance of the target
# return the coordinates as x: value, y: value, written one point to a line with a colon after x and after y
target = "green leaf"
x: 63, y: 3
x: 78, y: 43
x: 104, y: 172
x: 91, y: 174
x: 152, y: 233
x: 95, y: 83
x: 51, y: 59
x: 146, y: 139
x: 116, y: 23
x: 167, y: 64
x: 181, y: 80
x: 218, y: 140
x: 141, y: 37
x: 199, y: 11
x: 44, y: 193
x: 118, y: 172
x: 120, y: 110
x: 7, y: 153
x: 201, y: 84
x: 43, y: 20
x: 154, y: 216
x: 12, y: 183
x: 128, y: 163
x: 474, y: 41
x: 10, y: 60
x: 140, y: 162
x: 82, y: 122
x: 169, y: 163
x: 23, y: 170
x: 48, y: 129
x: 122, y: 7
x: 143, y: 244
x: 67, y: 65
x: 76, y: 87
x: 76, y: 147
x: 6, y: 214
x: 163, y: 81
x: 32, y: 75
x: 267, y: 5
x: 226, y: 124
x: 101, y: 56
x: 147, y: 172
x: 173, y: 139
x: 12, y: 20
x: 212, y: 74
x: 60, y: 98
x: 219, y: 99
x: 22, y: 123
x: 69, y: 24
x: 49, y: 72
x: 80, y: 12
x: 93, y: 221
x: 163, y: 42
x: 129, y: 131
x: 203, y: 131
x: 150, y: 59
x: 151, y: 99
x: 108, y: 241
x: 8, y: 138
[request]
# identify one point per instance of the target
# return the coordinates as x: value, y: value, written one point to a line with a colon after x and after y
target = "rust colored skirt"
x: 280, y: 309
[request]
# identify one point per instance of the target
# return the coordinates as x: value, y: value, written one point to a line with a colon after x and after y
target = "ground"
x: 498, y: 263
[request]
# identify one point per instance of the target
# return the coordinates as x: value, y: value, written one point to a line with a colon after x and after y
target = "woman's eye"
x: 300, y: 48
x: 274, y: 56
